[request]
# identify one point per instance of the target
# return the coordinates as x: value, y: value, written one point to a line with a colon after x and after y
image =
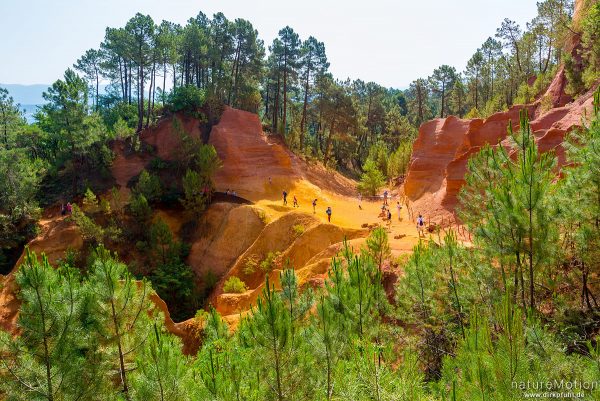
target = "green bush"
x: 298, y: 229
x: 149, y: 186
x: 105, y: 206
x: 250, y: 265
x: 234, y: 285
x: 90, y: 201
x: 140, y: 209
x: 371, y: 180
x: 270, y: 262
x: 195, y: 199
x: 399, y: 160
x: 186, y: 98
x: 90, y: 231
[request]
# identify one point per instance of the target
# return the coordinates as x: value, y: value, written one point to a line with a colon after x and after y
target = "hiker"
x: 420, y: 225
x: 328, y: 211
x: 296, y: 202
x: 383, y: 209
x: 385, y: 196
x: 399, y: 208
x: 284, y: 197
x: 227, y: 192
x: 389, y: 217
x: 69, y: 208
x: 233, y: 193
x: 270, y: 181
x: 314, y: 203
x: 360, y: 201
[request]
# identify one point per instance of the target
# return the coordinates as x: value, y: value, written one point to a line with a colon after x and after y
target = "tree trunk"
x: 329, y: 140
x: 130, y: 81
x: 122, y: 371
x: 476, y: 93
x: 164, y: 82
x: 149, y: 98
x: 276, y: 106
x: 46, y: 348
x: 303, y: 120
x: 141, y: 97
x: 97, y: 87
x: 443, y: 96
x: 285, y: 73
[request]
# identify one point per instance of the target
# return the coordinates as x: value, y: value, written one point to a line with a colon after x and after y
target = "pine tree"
x: 54, y: 357
x: 314, y: 63
x: 506, y: 203
x: 273, y: 328
x: 163, y: 371
x: 123, y: 312
x: 378, y: 246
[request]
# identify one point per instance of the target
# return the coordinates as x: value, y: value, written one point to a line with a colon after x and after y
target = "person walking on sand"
x: 285, y: 197
x: 399, y: 208
x: 389, y: 218
x: 270, y: 182
x: 314, y: 203
x: 296, y: 202
x: 420, y: 225
x: 328, y: 211
x: 383, y: 209
x: 360, y: 201
x: 385, y: 197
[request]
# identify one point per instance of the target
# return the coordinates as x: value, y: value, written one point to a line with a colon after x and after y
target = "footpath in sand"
x: 259, y: 168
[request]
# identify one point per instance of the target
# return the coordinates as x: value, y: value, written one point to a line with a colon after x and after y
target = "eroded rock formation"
x: 443, y: 147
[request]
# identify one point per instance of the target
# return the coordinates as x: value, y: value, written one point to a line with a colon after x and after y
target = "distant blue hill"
x: 30, y: 96
x: 26, y: 94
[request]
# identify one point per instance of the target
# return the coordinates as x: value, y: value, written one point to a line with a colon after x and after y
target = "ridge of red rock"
x: 443, y: 147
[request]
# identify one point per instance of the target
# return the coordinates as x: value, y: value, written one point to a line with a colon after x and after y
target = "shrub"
x: 186, y: 98
x: 234, y: 285
x: 195, y: 194
x: 250, y: 265
x: 158, y: 164
x: 399, y: 160
x: 473, y: 113
x: 262, y: 215
x: 174, y: 283
x: 494, y: 105
x: 105, y: 206
x: 140, y: 209
x: 90, y: 201
x: 201, y: 315
x: 590, y: 39
x: 371, y: 180
x: 116, y: 201
x: 546, y: 103
x: 122, y: 130
x: 270, y: 262
x: 90, y: 231
x: 525, y: 94
x: 298, y: 229
x: 149, y: 186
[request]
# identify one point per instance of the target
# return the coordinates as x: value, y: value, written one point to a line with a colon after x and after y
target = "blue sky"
x: 386, y: 41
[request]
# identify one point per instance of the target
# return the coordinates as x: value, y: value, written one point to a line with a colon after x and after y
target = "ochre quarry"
x: 439, y: 160
x: 258, y: 167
